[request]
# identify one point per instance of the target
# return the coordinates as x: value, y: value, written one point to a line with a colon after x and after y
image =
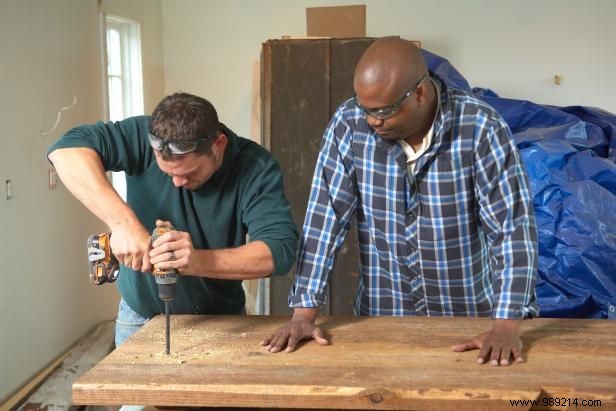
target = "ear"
x: 220, y: 143
x: 422, y: 93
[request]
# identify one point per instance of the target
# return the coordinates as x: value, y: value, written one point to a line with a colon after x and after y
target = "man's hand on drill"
x: 172, y: 250
x: 131, y: 244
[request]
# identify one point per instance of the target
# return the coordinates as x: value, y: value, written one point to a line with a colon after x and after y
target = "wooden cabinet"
x: 303, y: 81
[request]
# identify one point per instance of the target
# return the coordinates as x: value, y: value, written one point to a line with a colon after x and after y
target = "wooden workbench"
x: 372, y: 363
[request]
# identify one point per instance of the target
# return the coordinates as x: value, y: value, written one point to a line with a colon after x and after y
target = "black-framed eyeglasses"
x: 384, y: 113
x: 175, y: 147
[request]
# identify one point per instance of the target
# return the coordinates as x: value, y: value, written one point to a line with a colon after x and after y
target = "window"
x: 124, y: 79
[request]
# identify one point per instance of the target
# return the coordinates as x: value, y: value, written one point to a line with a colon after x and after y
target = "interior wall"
x: 512, y: 47
x: 49, y: 52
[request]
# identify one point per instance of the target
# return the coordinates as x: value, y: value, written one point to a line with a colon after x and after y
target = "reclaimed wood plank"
x: 372, y: 363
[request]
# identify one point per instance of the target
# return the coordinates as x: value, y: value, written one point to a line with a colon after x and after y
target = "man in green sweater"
x: 183, y: 168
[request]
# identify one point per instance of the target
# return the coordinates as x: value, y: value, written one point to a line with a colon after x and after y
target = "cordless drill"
x: 104, y: 268
x: 166, y: 280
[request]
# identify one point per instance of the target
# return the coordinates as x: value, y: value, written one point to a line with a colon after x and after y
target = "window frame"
x: 131, y: 77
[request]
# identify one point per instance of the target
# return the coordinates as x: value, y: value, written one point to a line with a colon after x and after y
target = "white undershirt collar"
x: 411, y: 154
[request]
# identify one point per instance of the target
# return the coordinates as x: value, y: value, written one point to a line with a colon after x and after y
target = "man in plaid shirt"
x: 443, y: 208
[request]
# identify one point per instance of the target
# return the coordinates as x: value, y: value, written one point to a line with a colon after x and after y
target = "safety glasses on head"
x: 384, y: 113
x: 175, y: 147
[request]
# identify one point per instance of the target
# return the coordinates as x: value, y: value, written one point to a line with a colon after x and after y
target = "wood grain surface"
x: 371, y: 363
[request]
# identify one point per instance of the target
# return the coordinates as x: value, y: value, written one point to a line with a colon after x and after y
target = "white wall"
x: 49, y: 54
x: 49, y: 51
x: 512, y: 47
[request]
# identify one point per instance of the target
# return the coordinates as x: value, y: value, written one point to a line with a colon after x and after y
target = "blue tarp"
x: 570, y: 158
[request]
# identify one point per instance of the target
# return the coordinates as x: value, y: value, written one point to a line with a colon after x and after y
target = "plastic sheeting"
x: 570, y: 158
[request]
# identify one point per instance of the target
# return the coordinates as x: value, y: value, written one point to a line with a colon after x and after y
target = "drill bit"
x: 168, y: 329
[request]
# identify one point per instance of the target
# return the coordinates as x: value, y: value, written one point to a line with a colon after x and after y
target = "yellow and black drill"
x: 104, y: 268
x: 166, y: 280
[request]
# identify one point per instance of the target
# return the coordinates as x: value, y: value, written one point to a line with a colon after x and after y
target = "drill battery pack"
x: 103, y: 265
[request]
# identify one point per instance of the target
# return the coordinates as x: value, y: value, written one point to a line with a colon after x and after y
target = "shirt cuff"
x: 307, y: 300
x: 515, y: 313
x: 283, y: 255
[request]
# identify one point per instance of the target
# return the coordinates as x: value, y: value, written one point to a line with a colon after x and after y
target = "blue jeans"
x: 127, y: 323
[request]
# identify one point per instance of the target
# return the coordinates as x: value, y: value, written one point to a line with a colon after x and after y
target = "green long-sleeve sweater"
x: 245, y: 196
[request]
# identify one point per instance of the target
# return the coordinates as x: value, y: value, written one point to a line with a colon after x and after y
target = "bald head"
x: 390, y: 63
x: 390, y: 90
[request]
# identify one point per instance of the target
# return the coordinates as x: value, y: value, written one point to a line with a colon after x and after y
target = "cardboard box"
x: 338, y: 22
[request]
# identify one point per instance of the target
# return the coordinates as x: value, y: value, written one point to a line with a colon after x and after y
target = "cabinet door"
x: 302, y: 84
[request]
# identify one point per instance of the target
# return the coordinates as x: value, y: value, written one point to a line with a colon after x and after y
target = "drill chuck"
x: 166, y: 285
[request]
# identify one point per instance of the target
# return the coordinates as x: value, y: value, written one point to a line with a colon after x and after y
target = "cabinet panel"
x: 302, y: 83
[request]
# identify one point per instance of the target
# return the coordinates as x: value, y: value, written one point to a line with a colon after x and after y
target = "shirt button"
x: 411, y: 214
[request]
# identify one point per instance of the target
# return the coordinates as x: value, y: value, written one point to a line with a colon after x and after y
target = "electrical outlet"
x: 9, y: 189
x: 52, y: 178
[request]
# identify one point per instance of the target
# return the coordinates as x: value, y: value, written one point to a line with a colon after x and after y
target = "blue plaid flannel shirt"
x: 456, y: 238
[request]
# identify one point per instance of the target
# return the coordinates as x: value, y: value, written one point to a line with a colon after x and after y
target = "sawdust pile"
x: 187, y: 345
